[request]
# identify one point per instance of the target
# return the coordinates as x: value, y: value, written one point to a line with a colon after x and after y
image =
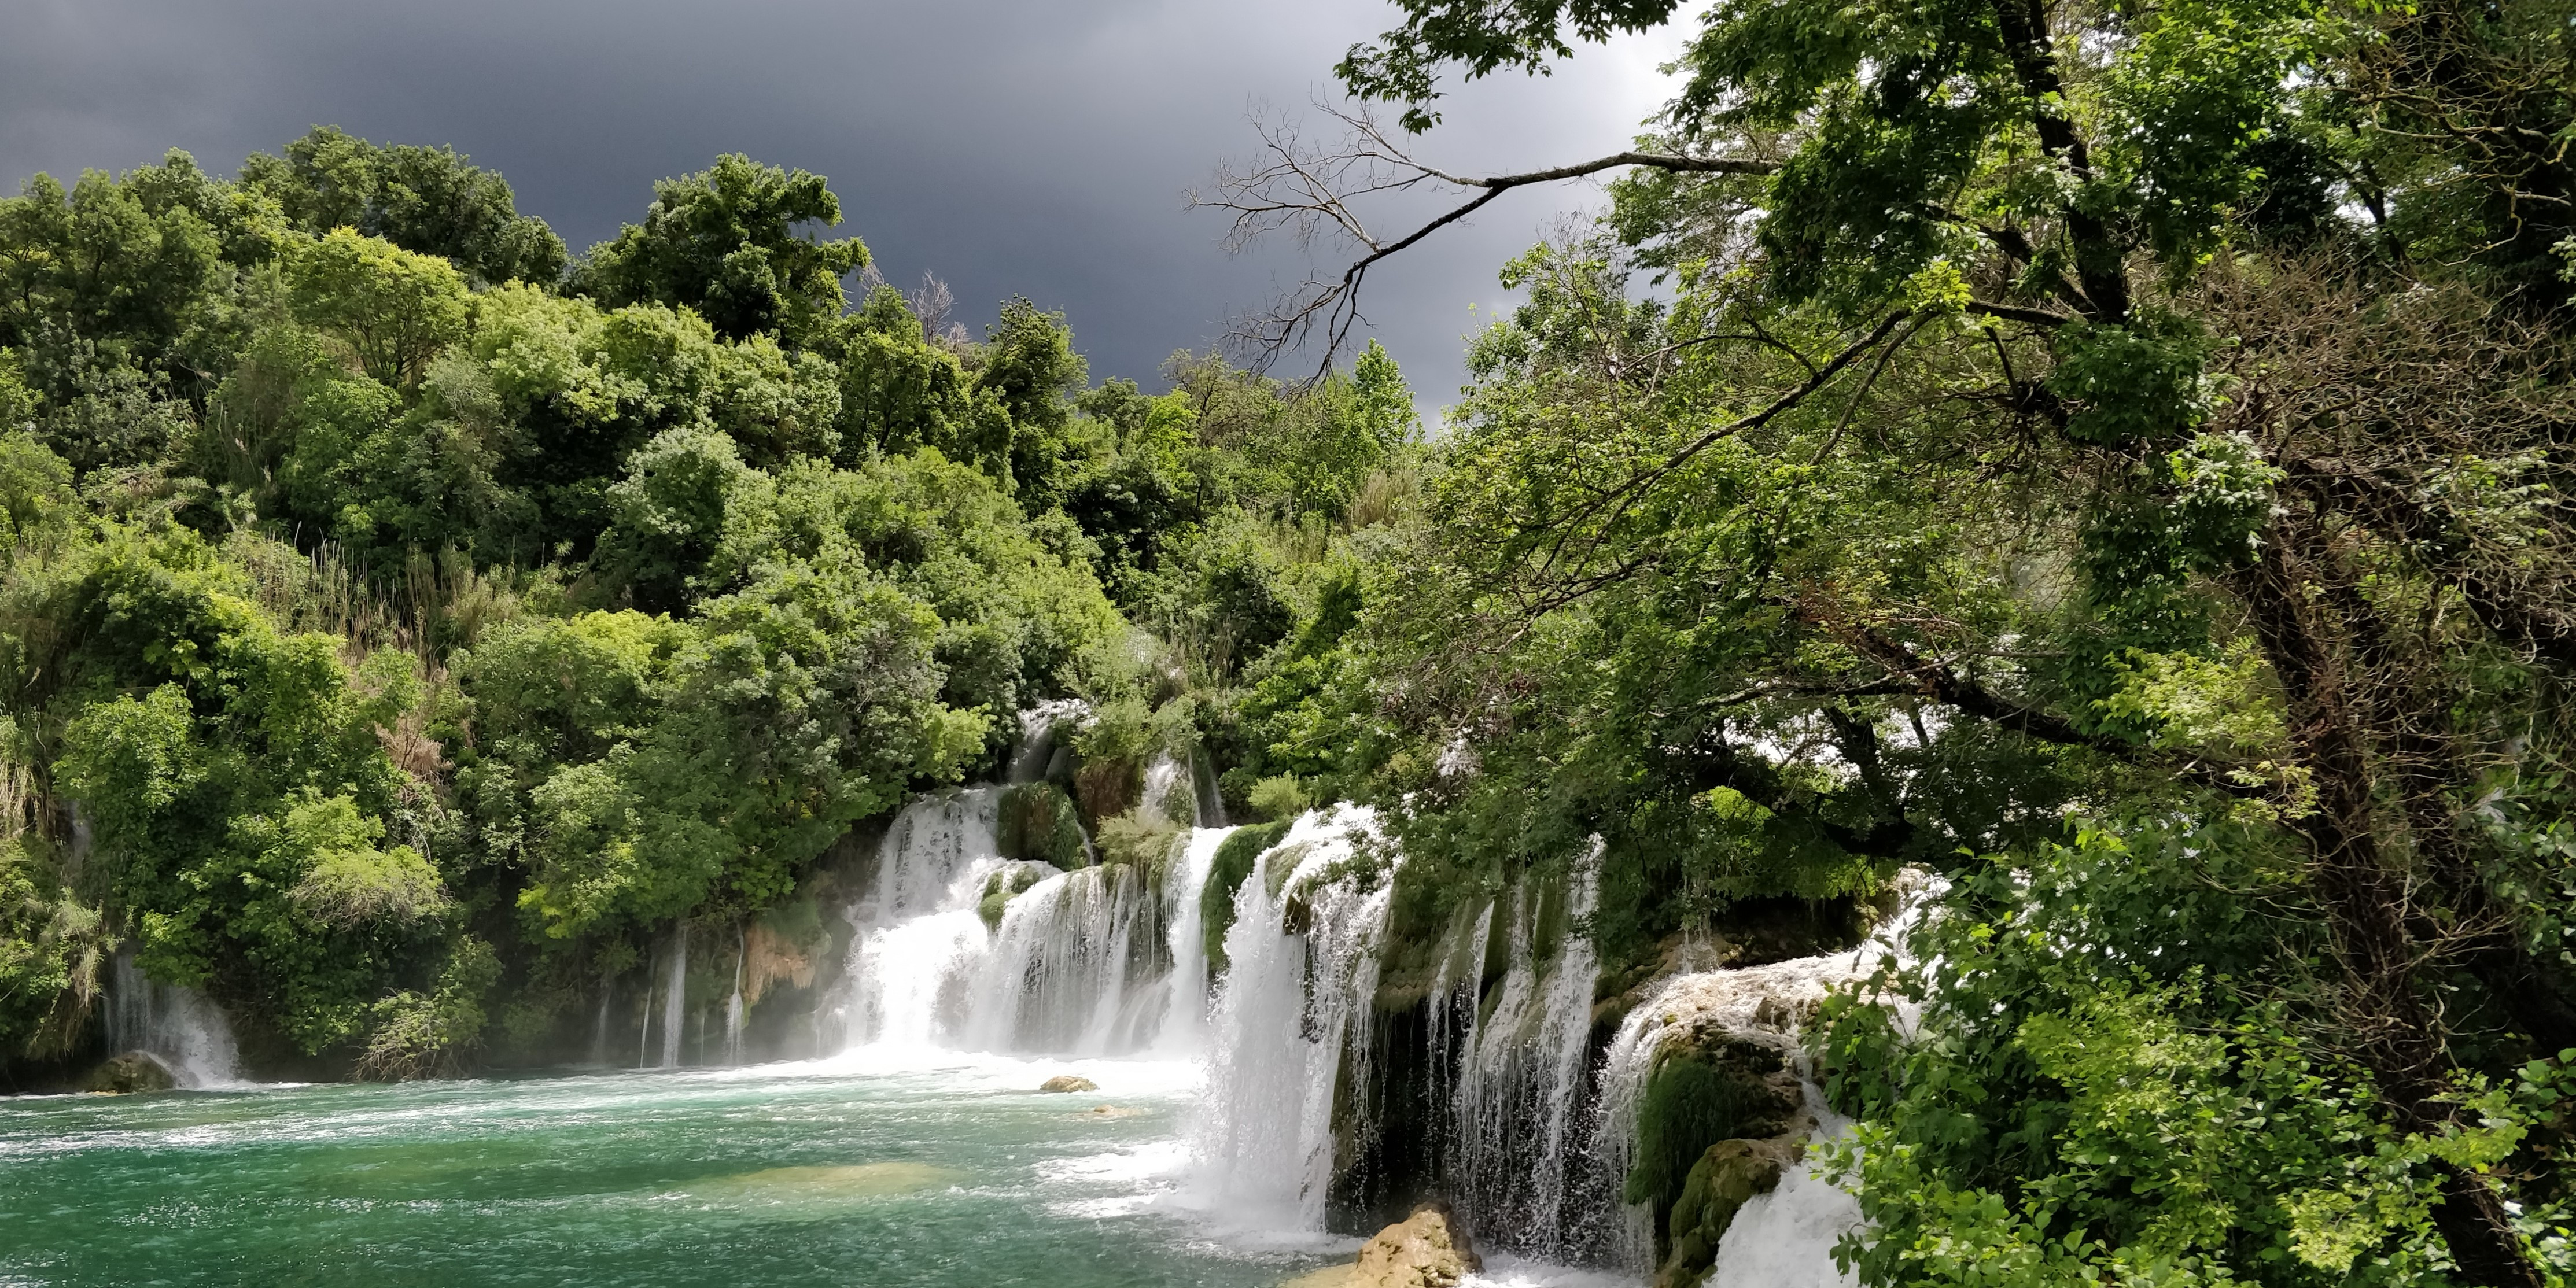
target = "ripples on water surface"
x: 844, y: 1173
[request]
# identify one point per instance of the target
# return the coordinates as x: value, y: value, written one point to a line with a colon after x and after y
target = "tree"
x: 396, y: 309
x: 425, y: 200
x: 724, y: 242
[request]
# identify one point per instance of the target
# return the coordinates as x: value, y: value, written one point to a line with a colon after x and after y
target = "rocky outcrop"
x: 1068, y: 1082
x: 128, y: 1073
x: 1038, y: 822
x: 1428, y: 1249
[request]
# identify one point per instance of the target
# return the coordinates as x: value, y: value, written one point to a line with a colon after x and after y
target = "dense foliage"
x: 2112, y: 455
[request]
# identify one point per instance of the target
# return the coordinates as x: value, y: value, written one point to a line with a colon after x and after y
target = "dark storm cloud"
x: 1011, y: 146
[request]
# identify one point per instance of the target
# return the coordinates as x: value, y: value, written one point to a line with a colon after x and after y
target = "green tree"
x: 395, y: 309
x: 724, y: 242
x: 426, y: 200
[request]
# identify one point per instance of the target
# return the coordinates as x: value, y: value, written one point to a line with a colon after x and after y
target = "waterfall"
x: 1061, y: 974
x: 1184, y: 1026
x: 1036, y: 747
x: 180, y: 1028
x: 1293, y: 1009
x: 1165, y: 775
x: 1203, y: 785
x: 1513, y: 1154
x: 733, y: 1004
x: 1784, y: 1239
x: 1089, y: 962
x: 599, y: 1032
x: 918, y: 935
x: 675, y: 995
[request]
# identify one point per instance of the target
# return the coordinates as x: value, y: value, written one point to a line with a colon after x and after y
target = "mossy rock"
x: 1002, y: 887
x: 1037, y: 821
x: 1726, y: 1177
x: 1226, y: 874
x: 128, y: 1073
x: 1705, y: 1088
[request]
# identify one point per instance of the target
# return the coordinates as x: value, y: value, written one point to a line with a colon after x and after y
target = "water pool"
x: 944, y: 1172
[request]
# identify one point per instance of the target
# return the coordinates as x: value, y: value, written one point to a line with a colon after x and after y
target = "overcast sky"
x: 1036, y: 147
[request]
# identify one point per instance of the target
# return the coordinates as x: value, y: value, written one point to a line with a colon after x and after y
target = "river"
x: 878, y: 1169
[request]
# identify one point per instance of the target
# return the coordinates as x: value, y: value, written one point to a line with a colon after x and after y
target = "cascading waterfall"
x: 919, y: 936
x: 1515, y: 1149
x: 1166, y: 779
x: 1038, y: 740
x: 1059, y: 975
x: 1185, y: 985
x: 1087, y: 962
x: 675, y: 996
x: 1294, y: 1006
x: 733, y: 1003
x: 1203, y: 784
x: 1784, y: 1239
x: 599, y: 1032
x: 180, y: 1028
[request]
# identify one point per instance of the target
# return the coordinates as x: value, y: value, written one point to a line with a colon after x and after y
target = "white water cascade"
x: 675, y: 996
x: 733, y: 1003
x: 1294, y: 1006
x: 1515, y: 1154
x: 1786, y: 1238
x: 1089, y: 962
x: 180, y: 1028
x: 1039, y: 727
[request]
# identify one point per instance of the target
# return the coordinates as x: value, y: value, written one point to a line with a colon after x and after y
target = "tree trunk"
x: 2365, y: 900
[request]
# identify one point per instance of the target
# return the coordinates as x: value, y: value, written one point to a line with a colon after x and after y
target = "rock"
x: 127, y: 1073
x: 1425, y: 1250
x: 1726, y: 1177
x: 1068, y: 1082
x: 1328, y: 1277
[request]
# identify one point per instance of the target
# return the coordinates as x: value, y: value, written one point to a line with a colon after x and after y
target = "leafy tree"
x: 425, y: 200
x: 724, y: 243
x: 395, y: 309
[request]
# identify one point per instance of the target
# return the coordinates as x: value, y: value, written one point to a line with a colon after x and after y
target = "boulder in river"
x: 128, y: 1072
x: 1428, y: 1249
x: 1068, y: 1082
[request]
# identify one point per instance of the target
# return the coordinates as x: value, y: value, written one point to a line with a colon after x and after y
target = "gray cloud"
x: 1011, y: 146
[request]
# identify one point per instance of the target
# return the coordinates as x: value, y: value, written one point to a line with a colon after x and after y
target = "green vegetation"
x: 2115, y: 456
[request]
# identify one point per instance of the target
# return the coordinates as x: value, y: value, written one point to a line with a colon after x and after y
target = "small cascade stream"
x: 675, y: 996
x: 177, y: 1026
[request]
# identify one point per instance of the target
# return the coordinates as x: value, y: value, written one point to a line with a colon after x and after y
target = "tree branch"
x: 1313, y: 191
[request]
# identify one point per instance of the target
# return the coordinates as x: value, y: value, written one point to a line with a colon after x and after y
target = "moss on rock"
x: 1705, y: 1088
x: 1038, y: 821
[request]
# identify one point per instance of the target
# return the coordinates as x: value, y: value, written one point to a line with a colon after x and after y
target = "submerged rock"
x: 1068, y: 1082
x: 127, y: 1073
x: 1428, y: 1249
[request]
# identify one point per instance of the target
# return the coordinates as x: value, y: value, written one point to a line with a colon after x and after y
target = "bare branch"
x: 1312, y: 192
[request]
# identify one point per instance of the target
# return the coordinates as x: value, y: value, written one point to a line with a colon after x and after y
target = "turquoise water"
x: 780, y: 1176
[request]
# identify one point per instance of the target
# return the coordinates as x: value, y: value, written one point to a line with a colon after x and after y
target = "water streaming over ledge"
x: 1093, y: 962
x: 177, y: 1026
